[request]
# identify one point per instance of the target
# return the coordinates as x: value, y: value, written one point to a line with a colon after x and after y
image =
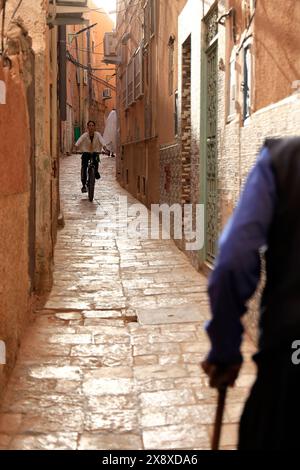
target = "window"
x: 138, y: 74
x: 171, y: 64
x: 110, y: 44
x: 246, y: 85
x: 106, y: 94
x: 130, y: 83
x: 149, y: 19
x: 232, y: 85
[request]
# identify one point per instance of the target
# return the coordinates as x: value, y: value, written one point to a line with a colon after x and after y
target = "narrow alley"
x: 112, y: 361
x: 126, y: 322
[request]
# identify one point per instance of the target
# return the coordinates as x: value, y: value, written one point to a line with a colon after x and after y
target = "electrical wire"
x: 85, y: 67
x: 119, y: 11
x: 132, y: 51
x: 94, y: 77
x: 136, y: 11
x: 128, y: 7
x: 104, y: 82
x: 85, y: 50
x: 15, y: 10
x: 135, y: 15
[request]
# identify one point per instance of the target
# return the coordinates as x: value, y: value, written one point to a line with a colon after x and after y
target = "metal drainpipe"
x: 88, y: 37
x: 62, y: 72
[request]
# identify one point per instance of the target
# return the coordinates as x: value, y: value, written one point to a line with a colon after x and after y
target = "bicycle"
x: 91, y: 172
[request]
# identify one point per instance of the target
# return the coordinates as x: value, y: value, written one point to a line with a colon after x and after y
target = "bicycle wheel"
x: 91, y: 185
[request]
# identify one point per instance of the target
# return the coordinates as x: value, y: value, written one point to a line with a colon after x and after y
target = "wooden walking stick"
x: 219, y: 418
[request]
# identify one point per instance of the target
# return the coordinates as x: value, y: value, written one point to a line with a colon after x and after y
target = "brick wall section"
x: 171, y: 179
x: 186, y: 123
x: 170, y: 174
x: 189, y: 87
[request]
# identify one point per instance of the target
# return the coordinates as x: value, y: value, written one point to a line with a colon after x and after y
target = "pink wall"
x: 15, y: 295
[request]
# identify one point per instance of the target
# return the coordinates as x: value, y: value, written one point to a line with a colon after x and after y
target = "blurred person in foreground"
x: 265, y: 222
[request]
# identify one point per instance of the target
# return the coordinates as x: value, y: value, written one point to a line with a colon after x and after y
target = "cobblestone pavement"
x: 89, y: 376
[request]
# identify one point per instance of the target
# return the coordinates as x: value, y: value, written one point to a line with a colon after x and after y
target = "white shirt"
x: 85, y: 145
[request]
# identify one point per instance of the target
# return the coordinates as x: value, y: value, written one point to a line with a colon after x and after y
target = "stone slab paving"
x: 89, y: 376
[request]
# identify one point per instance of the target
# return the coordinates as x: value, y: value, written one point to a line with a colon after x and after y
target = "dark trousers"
x: 84, y: 165
x: 271, y: 417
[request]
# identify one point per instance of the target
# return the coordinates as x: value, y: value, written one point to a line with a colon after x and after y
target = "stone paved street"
x: 89, y: 375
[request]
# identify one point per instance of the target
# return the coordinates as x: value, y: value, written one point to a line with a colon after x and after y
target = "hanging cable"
x: 85, y: 67
x: 15, y: 10
x: 85, y: 50
x: 104, y: 82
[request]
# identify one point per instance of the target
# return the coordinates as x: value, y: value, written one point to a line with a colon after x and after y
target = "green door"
x: 76, y: 133
x: 211, y: 196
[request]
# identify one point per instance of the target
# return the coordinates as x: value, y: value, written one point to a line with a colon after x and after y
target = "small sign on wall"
x: 2, y: 92
x: 2, y: 353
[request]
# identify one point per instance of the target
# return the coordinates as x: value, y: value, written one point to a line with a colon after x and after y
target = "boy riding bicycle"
x: 91, y: 144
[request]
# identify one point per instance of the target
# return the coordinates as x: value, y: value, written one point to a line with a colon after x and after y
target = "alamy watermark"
x: 2, y: 353
x: 135, y: 221
x: 296, y: 354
